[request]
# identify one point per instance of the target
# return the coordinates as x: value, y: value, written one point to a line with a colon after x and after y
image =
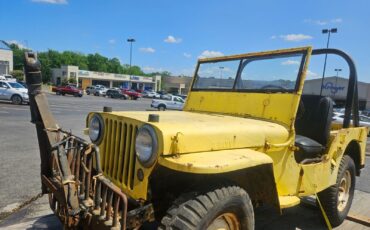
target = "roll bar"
x: 352, y: 92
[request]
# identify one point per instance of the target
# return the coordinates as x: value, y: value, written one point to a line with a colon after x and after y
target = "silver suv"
x: 96, y: 90
x: 13, y: 91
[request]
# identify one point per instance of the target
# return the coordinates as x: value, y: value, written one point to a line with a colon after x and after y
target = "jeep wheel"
x: 16, y: 100
x: 337, y: 199
x: 88, y: 92
x: 161, y: 107
x: 224, y: 208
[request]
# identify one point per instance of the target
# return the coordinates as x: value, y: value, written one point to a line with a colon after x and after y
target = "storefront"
x: 86, y: 78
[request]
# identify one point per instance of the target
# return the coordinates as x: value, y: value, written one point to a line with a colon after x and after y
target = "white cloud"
x: 290, y: 62
x: 312, y: 74
x: 19, y: 44
x: 147, y: 50
x: 187, y: 55
x: 172, y: 39
x: 295, y: 37
x: 210, y: 53
x: 273, y: 37
x: 112, y: 41
x: 60, y: 2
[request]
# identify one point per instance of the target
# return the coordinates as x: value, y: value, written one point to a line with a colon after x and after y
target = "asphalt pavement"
x: 20, y: 179
x: 19, y: 152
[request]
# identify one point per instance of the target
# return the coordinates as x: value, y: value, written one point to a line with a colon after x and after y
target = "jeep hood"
x: 187, y: 132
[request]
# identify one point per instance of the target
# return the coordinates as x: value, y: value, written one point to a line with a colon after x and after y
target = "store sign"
x: 332, y: 87
x: 135, y: 78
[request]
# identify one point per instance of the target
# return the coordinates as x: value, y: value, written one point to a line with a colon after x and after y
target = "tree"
x: 114, y: 66
x: 93, y: 62
x: 97, y: 62
x: 18, y: 74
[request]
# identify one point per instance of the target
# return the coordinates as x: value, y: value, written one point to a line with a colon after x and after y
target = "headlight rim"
x: 101, y: 131
x: 154, y: 155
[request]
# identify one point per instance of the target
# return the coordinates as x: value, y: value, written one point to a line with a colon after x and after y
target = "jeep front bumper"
x: 87, y: 198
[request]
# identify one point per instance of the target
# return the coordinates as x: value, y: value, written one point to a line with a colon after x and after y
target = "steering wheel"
x: 273, y: 87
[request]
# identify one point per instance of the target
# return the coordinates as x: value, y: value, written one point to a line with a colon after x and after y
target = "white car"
x: 13, y: 91
x: 174, y: 102
x: 151, y: 94
x: 339, y: 117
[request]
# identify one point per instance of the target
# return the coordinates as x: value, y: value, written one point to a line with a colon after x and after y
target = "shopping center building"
x: 86, y: 78
x: 6, y: 59
x: 336, y: 88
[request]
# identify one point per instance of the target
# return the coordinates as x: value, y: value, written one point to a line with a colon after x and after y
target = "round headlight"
x: 146, y: 145
x: 96, y: 128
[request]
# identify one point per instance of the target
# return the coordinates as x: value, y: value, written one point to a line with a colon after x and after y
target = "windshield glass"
x: 16, y: 85
x: 265, y: 73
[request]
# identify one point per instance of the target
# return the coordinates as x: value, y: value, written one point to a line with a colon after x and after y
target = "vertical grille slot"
x: 117, y: 153
x: 132, y: 159
x: 127, y: 154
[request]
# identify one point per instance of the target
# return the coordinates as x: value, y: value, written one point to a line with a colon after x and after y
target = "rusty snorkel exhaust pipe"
x: 78, y: 192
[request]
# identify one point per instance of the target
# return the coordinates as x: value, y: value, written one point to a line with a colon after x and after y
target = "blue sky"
x: 171, y: 35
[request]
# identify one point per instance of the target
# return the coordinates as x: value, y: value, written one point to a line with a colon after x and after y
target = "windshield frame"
x: 254, y: 57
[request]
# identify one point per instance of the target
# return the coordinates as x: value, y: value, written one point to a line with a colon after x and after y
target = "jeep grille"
x: 118, y: 148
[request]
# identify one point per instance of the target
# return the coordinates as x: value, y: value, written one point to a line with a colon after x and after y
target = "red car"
x: 132, y: 93
x: 63, y: 90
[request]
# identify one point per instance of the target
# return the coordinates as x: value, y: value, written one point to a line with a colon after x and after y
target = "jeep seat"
x: 312, y: 126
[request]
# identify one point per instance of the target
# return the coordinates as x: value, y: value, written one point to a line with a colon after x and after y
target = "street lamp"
x: 326, y: 31
x: 131, y: 40
x: 338, y: 70
x: 336, y: 78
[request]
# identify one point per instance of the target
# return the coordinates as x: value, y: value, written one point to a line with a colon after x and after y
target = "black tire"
x: 80, y: 95
x: 63, y: 93
x: 16, y: 99
x: 161, y: 107
x: 329, y: 197
x: 198, y: 212
x: 88, y: 92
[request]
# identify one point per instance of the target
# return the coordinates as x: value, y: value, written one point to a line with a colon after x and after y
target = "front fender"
x: 215, y: 161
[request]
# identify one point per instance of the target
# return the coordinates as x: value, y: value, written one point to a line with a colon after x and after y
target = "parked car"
x: 181, y: 95
x: 23, y: 83
x: 174, y: 102
x: 96, y: 90
x: 7, y: 77
x: 116, y: 93
x: 151, y: 94
x: 88, y: 89
x: 132, y: 93
x: 14, y: 92
x: 69, y: 89
x: 166, y: 96
x: 364, y: 120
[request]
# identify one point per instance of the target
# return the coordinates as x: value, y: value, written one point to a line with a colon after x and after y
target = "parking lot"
x: 20, y: 180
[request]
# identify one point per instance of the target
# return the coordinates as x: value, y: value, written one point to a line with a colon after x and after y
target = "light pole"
x: 337, y: 70
x: 131, y: 40
x: 221, y: 68
x: 336, y: 78
x: 326, y: 31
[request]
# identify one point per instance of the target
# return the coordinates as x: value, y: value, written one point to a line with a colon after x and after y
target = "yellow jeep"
x: 247, y: 136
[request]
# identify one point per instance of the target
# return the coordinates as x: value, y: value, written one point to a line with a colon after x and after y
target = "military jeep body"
x: 247, y: 136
